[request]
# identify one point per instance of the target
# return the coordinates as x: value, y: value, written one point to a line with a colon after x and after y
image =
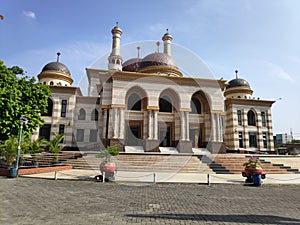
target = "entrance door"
x: 133, y: 135
x: 45, y: 131
x: 165, y: 136
x: 196, y: 137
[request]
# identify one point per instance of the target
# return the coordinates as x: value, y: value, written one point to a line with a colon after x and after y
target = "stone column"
x: 115, y: 122
x: 218, y: 127
x: 150, y: 125
x: 213, y: 127
x: 187, y: 126
x: 155, y: 125
x: 121, y: 122
x: 182, y: 125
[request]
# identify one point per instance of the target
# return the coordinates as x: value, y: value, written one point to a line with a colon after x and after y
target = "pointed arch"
x: 251, y: 118
x: 199, y: 103
x: 136, y: 98
x: 134, y: 102
x: 169, y: 101
x: 82, y: 114
x: 94, y: 115
x: 195, y: 106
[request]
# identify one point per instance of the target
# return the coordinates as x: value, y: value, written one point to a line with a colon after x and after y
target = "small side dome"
x: 238, y: 88
x: 131, y: 65
x: 238, y: 82
x: 55, y: 73
x: 56, y: 66
x: 158, y: 59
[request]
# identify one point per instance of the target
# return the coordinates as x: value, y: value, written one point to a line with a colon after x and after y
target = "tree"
x: 20, y: 95
x: 54, y: 145
x: 8, y: 148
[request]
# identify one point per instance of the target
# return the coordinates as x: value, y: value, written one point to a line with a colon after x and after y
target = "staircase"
x: 145, y: 163
x: 158, y: 162
x: 216, y: 166
x: 290, y: 163
x: 233, y: 164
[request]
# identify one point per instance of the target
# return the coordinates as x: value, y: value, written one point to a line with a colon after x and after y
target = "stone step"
x: 145, y: 163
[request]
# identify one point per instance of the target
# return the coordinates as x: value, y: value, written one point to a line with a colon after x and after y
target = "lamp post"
x: 23, y: 121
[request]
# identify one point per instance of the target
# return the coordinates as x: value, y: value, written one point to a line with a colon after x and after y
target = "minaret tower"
x: 167, y: 39
x: 115, y: 60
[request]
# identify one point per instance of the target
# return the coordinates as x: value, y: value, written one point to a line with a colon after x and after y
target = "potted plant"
x: 253, y: 167
x: 55, y: 147
x: 9, y: 150
x: 106, y: 166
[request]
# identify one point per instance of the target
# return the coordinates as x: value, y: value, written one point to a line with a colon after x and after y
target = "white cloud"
x: 278, y: 71
x: 29, y: 14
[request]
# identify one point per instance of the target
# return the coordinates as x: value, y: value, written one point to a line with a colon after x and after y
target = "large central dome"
x: 158, y: 59
x: 157, y: 62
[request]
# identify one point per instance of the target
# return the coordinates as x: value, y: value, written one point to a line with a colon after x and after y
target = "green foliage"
x: 252, y: 162
x: 20, y: 95
x: 8, y: 149
x: 38, y: 145
x: 106, y: 153
x: 295, y: 141
x: 54, y: 145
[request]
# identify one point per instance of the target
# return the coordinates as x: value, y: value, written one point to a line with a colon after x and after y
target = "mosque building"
x: 147, y: 104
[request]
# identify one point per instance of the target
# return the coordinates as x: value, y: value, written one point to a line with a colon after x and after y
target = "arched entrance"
x: 168, y: 118
x: 136, y: 104
x: 199, y: 119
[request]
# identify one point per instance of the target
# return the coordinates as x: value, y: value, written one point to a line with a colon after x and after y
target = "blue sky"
x: 259, y: 38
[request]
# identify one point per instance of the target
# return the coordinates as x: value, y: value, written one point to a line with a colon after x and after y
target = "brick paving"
x: 42, y: 201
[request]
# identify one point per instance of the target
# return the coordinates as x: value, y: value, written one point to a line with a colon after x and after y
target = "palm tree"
x: 54, y: 145
x: 9, y: 150
x: 36, y: 147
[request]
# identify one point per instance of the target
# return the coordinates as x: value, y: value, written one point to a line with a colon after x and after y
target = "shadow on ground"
x: 255, y: 219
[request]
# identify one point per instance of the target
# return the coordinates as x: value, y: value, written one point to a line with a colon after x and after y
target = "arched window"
x: 134, y: 102
x: 165, y: 104
x: 95, y: 115
x: 251, y: 118
x: 49, y: 108
x: 51, y: 83
x: 81, y: 115
x: 195, y: 106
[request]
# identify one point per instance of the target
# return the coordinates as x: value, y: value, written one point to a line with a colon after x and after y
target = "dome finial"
x: 117, y: 24
x: 58, y: 54
x: 157, y: 44
x: 236, y: 74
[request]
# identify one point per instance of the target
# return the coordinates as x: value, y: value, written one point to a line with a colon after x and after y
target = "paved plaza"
x: 45, y: 201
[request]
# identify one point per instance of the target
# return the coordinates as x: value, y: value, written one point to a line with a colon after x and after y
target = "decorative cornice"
x: 233, y: 90
x: 53, y: 74
x: 256, y: 102
x: 156, y: 78
x: 66, y: 90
